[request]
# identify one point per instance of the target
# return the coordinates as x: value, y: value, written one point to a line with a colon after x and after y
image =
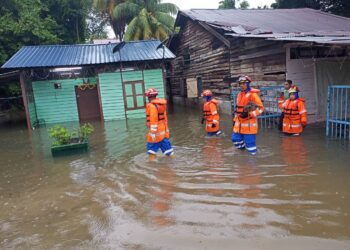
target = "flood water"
x: 295, y: 194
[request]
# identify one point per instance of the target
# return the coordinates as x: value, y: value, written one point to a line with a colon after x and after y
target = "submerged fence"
x: 269, y: 95
x: 338, y: 112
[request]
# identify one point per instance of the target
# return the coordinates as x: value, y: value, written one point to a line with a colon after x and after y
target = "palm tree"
x: 107, y: 8
x: 153, y: 19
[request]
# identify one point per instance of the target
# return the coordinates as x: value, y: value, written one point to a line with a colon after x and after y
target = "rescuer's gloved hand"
x: 303, y: 124
x: 244, y: 114
x: 202, y: 121
x: 213, y: 125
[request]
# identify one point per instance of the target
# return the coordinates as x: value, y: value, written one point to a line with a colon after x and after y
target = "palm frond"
x: 160, y: 31
x: 126, y: 11
x: 132, y: 29
x: 146, y: 24
x: 168, y: 8
x: 165, y: 19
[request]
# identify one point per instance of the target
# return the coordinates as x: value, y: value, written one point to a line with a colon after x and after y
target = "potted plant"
x: 66, y: 142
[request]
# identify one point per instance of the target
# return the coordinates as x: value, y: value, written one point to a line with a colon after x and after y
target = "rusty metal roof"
x: 281, y: 24
x: 85, y: 54
x: 273, y: 20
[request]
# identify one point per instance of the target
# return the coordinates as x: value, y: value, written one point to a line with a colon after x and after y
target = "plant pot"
x: 75, y: 147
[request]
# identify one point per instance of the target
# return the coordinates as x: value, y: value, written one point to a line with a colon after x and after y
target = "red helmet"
x: 293, y: 89
x: 207, y: 92
x: 244, y: 79
x: 151, y: 92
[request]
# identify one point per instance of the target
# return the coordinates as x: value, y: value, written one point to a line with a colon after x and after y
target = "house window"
x: 134, y: 95
x: 187, y: 57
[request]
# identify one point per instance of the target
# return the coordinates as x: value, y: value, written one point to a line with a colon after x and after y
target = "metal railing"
x: 338, y: 111
x: 269, y: 96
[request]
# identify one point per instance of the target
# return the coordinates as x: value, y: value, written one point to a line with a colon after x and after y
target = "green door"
x: 134, y: 97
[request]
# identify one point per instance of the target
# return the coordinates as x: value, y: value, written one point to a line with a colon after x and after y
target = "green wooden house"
x: 67, y: 83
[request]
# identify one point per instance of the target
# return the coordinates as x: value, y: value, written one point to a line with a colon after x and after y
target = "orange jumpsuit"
x: 295, y: 116
x: 211, y: 116
x: 247, y: 125
x: 157, y: 120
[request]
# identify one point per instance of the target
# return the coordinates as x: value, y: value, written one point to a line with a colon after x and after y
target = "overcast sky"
x: 212, y: 4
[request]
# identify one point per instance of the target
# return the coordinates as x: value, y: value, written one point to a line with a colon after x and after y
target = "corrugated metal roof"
x: 300, y: 25
x: 272, y: 20
x: 85, y: 54
x: 326, y: 39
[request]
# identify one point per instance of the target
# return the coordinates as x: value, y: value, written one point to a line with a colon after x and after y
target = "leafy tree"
x: 24, y: 22
x: 96, y: 25
x: 153, y: 20
x: 118, y: 24
x: 288, y: 4
x: 227, y: 4
x: 145, y: 18
x: 71, y: 18
x: 337, y: 7
x: 244, y: 5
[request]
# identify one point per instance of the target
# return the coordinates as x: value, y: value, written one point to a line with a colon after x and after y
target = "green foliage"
x: 10, y: 90
x: 13, y: 92
x: 70, y: 17
x: 96, y: 25
x: 153, y: 20
x: 24, y: 22
x: 227, y: 4
x: 288, y: 4
x: 63, y: 136
x: 60, y: 134
x: 106, y: 7
x: 36, y: 22
x: 145, y: 19
x: 337, y: 7
x: 244, y: 5
x: 85, y: 131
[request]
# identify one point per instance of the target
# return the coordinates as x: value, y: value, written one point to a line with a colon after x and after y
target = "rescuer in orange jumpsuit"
x: 210, y: 114
x: 248, y: 107
x: 157, y: 123
x: 284, y: 97
x: 295, y: 114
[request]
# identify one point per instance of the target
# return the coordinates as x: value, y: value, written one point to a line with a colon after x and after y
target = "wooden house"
x: 66, y: 83
x: 214, y: 47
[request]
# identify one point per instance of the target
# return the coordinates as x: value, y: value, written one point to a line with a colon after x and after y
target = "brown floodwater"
x: 294, y: 194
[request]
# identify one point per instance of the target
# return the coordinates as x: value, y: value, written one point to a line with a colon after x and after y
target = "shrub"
x: 60, y: 134
x: 63, y: 136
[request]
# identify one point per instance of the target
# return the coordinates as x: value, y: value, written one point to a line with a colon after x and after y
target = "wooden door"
x: 134, y: 95
x: 88, y: 103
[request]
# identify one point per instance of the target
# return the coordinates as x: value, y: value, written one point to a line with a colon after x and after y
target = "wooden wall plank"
x: 56, y: 105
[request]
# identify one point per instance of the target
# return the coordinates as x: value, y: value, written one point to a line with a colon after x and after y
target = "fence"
x: 269, y: 95
x: 338, y: 112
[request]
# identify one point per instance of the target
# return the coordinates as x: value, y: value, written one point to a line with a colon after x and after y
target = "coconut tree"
x: 153, y: 19
x: 107, y: 7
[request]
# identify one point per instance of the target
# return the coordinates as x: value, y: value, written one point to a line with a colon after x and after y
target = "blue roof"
x: 85, y: 54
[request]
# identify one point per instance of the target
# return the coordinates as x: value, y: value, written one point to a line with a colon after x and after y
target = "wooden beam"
x: 261, y: 53
x: 25, y: 100
x: 99, y: 93
x: 164, y: 80
x: 215, y: 33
